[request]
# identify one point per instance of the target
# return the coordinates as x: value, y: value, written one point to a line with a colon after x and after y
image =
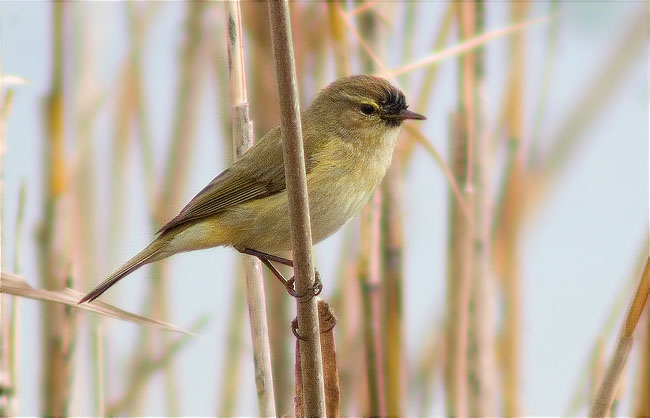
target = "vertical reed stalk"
x: 392, y: 249
x: 6, y: 385
x: 368, y: 273
x: 301, y: 241
x: 10, y: 313
x: 14, y: 320
x: 461, y: 233
x: 607, y: 391
x: 510, y: 344
x: 392, y: 259
x: 370, y: 257
x: 481, y: 340
x: 232, y: 361
x: 85, y: 236
x: 460, y: 244
x: 265, y: 113
x: 57, y: 329
x: 242, y: 140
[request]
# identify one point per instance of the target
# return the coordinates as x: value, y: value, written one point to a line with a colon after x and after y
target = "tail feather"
x: 149, y: 254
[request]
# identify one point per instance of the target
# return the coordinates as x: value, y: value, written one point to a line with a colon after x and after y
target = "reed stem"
x: 242, y: 130
x: 607, y: 391
x: 460, y: 245
x: 392, y: 258
x: 481, y: 353
x: 643, y: 392
x: 296, y: 182
x: 57, y: 339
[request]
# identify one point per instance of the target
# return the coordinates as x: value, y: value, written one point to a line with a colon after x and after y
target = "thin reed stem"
x: 460, y: 253
x: 509, y: 243
x: 642, y: 398
x: 461, y: 232
x: 301, y: 240
x: 392, y: 258
x: 481, y: 354
x: 580, y: 393
x: 9, y: 354
x: 370, y: 254
x: 242, y: 137
x: 57, y: 339
x: 85, y: 255
x: 607, y: 391
x: 368, y: 273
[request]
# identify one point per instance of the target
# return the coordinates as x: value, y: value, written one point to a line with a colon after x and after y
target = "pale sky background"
x: 577, y: 251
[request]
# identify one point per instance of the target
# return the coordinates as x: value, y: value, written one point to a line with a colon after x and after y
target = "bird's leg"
x: 265, y: 258
x: 261, y: 255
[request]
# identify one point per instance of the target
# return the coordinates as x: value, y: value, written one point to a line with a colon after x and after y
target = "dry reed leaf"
x: 12, y: 284
x: 327, y: 321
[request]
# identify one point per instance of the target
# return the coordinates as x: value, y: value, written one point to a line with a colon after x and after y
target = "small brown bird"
x: 349, y: 134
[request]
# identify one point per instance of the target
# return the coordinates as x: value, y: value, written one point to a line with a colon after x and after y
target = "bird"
x: 349, y: 133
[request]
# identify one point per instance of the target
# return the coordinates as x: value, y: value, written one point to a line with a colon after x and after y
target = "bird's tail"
x: 151, y: 253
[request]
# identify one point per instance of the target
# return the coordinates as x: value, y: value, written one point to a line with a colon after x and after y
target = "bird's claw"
x: 294, y: 329
x: 314, y: 290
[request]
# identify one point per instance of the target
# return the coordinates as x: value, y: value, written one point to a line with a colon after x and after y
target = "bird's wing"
x: 259, y: 173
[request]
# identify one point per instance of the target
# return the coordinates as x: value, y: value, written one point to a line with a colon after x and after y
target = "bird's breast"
x: 340, y: 188
x: 342, y: 178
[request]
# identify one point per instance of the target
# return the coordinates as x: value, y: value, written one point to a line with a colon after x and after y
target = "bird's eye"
x: 367, y: 109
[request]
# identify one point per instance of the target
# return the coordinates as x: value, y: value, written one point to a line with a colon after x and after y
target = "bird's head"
x: 363, y: 106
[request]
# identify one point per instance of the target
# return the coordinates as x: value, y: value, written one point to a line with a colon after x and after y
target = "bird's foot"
x: 267, y: 259
x: 294, y: 329
x: 313, y: 290
x: 326, y: 320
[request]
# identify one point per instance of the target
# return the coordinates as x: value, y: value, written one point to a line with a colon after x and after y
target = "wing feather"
x: 259, y: 173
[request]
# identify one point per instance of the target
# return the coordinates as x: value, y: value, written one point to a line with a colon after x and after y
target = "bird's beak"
x: 407, y: 114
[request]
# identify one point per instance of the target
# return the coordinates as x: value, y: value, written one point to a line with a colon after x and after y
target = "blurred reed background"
x: 488, y: 276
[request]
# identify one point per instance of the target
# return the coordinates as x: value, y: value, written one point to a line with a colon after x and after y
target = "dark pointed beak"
x: 407, y: 114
